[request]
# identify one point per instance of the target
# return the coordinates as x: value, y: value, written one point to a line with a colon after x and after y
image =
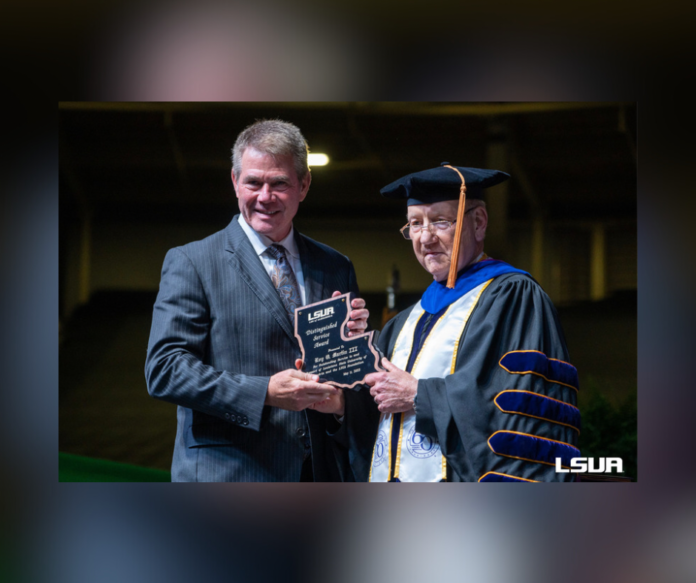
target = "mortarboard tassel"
x: 452, y: 277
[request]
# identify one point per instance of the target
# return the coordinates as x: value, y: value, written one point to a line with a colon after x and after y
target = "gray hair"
x: 473, y: 203
x: 274, y: 137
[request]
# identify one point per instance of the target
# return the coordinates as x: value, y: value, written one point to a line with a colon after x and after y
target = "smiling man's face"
x: 434, y: 251
x: 269, y: 192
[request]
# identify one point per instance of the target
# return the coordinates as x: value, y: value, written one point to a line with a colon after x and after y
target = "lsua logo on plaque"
x: 320, y: 314
x: 327, y: 351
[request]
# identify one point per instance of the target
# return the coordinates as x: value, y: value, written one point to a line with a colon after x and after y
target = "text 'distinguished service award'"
x: 327, y: 350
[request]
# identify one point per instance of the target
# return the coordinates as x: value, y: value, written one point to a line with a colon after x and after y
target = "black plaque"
x: 327, y: 351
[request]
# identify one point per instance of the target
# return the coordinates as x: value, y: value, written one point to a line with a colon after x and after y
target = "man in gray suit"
x: 222, y: 344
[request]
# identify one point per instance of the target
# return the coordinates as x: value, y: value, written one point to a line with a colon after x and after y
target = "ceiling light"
x: 317, y: 159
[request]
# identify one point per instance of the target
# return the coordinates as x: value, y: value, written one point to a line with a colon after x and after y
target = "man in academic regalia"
x: 478, y: 384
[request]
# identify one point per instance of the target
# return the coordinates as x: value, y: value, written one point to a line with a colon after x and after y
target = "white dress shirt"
x: 261, y: 243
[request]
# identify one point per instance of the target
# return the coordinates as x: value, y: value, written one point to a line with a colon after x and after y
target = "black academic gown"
x: 510, y: 406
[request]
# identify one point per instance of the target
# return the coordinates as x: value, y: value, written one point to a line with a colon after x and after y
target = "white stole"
x: 419, y: 458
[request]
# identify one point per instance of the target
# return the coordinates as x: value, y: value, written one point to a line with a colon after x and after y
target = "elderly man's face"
x: 434, y: 251
x: 269, y: 192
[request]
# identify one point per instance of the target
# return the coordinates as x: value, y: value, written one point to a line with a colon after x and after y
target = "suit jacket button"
x: 301, y: 432
x: 233, y: 418
x: 227, y: 415
x: 245, y: 421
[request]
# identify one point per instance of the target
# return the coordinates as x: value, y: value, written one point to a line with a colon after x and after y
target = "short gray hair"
x: 274, y: 137
x: 474, y: 203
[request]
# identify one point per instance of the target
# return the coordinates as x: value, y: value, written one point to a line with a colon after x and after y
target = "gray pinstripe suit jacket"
x: 219, y: 331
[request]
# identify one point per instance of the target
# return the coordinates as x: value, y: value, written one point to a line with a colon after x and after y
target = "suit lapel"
x: 311, y: 271
x: 244, y: 260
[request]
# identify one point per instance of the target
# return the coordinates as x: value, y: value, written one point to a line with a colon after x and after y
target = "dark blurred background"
x: 136, y: 179
x: 309, y: 51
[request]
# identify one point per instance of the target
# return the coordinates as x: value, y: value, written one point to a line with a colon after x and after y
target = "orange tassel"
x: 452, y: 277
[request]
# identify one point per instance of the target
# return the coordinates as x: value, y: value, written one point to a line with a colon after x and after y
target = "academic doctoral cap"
x: 446, y: 182
x: 442, y: 183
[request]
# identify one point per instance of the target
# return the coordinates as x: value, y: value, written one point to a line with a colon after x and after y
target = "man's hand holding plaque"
x: 334, y: 347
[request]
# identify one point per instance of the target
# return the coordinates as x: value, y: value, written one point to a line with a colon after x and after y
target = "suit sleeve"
x: 175, y: 369
x: 509, y: 408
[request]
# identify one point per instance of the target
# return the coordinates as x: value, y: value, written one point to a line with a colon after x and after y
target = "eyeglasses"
x: 435, y: 228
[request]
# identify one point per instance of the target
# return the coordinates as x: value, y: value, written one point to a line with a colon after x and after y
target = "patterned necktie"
x: 284, y: 280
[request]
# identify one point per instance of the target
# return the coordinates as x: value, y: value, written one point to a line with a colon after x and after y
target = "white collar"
x: 261, y: 242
